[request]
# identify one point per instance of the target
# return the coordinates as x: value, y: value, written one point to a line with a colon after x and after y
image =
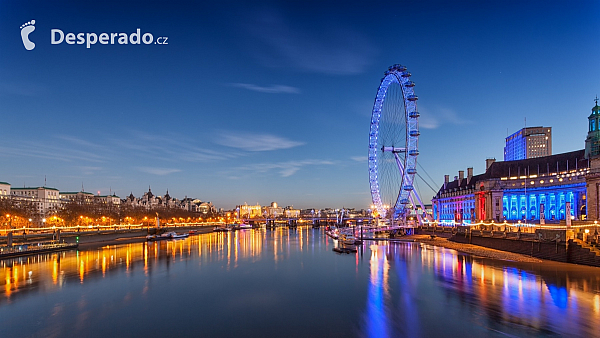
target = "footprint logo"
x: 26, y: 29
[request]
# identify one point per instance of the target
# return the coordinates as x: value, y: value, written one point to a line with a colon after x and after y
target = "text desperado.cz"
x: 57, y: 37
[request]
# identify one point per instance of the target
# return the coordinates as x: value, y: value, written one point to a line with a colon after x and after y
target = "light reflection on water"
x: 289, y: 282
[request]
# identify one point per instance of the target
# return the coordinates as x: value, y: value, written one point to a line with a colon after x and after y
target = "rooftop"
x: 34, y: 188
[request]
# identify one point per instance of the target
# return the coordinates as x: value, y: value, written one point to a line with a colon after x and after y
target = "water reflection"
x: 24, y: 274
x: 377, y: 319
x: 270, y: 281
x: 486, y: 296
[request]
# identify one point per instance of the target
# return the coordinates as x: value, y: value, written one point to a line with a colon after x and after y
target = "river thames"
x: 289, y: 283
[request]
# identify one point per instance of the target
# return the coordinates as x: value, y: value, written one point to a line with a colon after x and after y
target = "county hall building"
x: 549, y: 188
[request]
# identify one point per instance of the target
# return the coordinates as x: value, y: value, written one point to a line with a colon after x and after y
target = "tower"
x: 592, y: 141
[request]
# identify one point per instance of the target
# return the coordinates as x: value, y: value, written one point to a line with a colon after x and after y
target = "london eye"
x: 393, y: 144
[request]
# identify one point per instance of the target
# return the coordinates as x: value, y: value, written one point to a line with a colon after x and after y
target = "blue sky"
x: 271, y: 101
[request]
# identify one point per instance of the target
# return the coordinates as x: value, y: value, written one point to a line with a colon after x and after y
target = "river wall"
x: 99, y: 236
x: 550, y: 245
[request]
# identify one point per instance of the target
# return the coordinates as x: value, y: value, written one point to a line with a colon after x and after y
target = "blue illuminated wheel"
x: 393, y: 143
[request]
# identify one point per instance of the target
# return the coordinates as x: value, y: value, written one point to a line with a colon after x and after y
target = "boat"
x: 345, y: 250
x: 347, y: 239
x: 222, y: 229
x: 245, y: 226
x: 332, y: 232
x: 178, y: 236
x: 166, y: 235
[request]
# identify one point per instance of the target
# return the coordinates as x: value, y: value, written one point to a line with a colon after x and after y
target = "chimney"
x: 461, y: 176
x: 469, y: 174
x: 456, y: 178
x: 488, y: 163
x: 446, y: 180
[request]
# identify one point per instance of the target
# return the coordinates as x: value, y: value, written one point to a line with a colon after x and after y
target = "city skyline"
x: 272, y: 101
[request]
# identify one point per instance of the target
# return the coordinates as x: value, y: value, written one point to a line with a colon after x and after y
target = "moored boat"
x: 166, y: 235
x: 332, y: 232
x: 347, y: 239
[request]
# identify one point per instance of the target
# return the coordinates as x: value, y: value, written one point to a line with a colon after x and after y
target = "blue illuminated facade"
x: 518, y: 205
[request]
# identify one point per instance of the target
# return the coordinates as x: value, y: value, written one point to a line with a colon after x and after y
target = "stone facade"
x: 4, y: 190
x: 46, y: 200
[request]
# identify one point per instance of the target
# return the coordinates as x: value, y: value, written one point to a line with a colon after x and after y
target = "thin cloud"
x: 169, y: 148
x: 255, y: 142
x: 284, y: 169
x: 274, y: 89
x: 322, y: 47
x: 158, y: 171
x: 45, y: 151
x: 89, y: 170
x: 434, y: 118
x: 359, y: 158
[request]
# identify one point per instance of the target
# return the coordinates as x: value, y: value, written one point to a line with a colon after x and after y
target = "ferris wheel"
x: 393, y: 144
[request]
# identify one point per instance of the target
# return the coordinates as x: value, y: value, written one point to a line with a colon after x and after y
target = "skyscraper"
x: 527, y: 143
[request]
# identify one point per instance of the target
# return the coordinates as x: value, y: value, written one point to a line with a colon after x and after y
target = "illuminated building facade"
x: 528, y: 190
x: 289, y: 211
x: 4, y: 190
x: 273, y: 210
x: 45, y: 200
x: 249, y: 211
x: 528, y: 143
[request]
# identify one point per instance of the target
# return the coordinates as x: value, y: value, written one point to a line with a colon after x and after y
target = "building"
x: 45, y: 200
x: 528, y: 143
x: 290, y: 212
x: 79, y: 197
x: 548, y: 188
x: 147, y: 201
x: 249, y: 211
x: 204, y: 207
x: 545, y: 189
x: 273, y: 211
x: 196, y: 205
x: 106, y: 200
x: 4, y: 190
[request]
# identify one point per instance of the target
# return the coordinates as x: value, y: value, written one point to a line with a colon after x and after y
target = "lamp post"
x: 9, y: 221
